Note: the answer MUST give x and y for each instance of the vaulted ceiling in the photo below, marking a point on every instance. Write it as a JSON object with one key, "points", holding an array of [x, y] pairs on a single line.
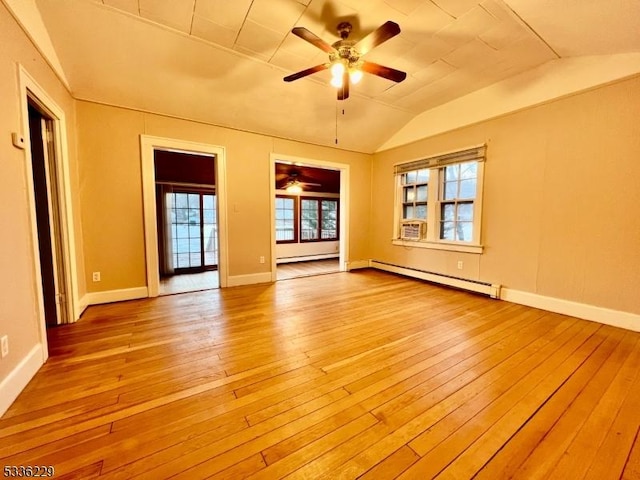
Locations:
{"points": [[222, 62]]}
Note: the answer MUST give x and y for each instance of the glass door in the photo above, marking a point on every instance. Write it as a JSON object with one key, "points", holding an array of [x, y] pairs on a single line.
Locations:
{"points": [[194, 236]]}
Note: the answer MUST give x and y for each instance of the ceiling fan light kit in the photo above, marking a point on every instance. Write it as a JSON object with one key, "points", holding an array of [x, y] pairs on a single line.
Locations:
{"points": [[345, 57]]}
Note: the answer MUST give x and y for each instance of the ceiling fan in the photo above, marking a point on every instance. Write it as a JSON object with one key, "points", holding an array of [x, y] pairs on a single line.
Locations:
{"points": [[294, 182], [345, 56]]}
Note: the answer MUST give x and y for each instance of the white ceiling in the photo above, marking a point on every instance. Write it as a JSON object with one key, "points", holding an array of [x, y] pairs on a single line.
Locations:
{"points": [[222, 61]]}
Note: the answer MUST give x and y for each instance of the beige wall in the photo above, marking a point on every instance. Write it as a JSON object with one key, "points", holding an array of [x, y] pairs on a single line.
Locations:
{"points": [[560, 200], [18, 283], [111, 191]]}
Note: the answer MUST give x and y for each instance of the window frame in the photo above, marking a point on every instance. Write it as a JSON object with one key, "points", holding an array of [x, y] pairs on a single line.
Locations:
{"points": [[435, 201], [296, 226], [319, 228]]}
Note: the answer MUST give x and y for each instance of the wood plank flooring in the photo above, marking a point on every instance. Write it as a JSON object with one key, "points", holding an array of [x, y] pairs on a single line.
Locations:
{"points": [[286, 271], [347, 375]]}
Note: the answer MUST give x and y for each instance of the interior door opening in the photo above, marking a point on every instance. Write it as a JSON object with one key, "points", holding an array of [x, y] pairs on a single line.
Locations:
{"points": [[187, 223], [307, 220], [48, 215]]}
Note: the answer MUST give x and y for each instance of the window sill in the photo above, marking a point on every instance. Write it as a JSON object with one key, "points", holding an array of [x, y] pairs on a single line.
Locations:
{"points": [[453, 247]]}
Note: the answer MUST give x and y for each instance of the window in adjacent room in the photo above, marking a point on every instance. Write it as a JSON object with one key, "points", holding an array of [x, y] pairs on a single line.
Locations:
{"points": [[318, 219], [444, 193], [286, 216]]}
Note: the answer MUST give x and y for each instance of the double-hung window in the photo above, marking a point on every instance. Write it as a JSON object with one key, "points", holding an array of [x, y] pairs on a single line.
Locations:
{"points": [[443, 192]]}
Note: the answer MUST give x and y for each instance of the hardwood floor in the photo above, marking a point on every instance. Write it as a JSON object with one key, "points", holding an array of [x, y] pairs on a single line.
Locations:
{"points": [[362, 374], [190, 282], [286, 271]]}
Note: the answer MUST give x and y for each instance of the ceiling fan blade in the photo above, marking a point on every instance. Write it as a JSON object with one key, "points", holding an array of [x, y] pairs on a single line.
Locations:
{"points": [[304, 73], [313, 39], [382, 71], [343, 91], [383, 33]]}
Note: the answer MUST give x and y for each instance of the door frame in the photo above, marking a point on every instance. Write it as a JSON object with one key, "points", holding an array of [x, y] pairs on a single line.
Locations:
{"points": [[30, 90], [148, 145], [344, 204]]}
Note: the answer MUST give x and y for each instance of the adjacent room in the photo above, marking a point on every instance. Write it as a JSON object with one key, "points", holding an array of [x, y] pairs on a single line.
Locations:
{"points": [[320, 239]]}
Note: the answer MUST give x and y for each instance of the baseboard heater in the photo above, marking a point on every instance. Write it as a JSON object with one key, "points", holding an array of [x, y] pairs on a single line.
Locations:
{"points": [[490, 289]]}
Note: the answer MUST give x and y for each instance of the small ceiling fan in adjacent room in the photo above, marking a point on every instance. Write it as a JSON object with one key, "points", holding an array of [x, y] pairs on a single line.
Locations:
{"points": [[345, 56], [293, 182]]}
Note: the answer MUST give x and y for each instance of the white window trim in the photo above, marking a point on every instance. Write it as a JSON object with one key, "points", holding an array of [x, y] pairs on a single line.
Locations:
{"points": [[432, 240]]}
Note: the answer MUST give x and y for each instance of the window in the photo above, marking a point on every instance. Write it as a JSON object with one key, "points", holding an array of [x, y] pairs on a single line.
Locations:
{"points": [[192, 232], [286, 217], [318, 219], [444, 191]]}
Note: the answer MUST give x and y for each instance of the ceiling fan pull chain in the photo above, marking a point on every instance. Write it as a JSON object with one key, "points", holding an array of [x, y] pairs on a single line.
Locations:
{"points": [[337, 121]]}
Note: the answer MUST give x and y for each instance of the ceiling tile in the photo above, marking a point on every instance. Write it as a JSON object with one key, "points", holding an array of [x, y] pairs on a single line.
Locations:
{"points": [[278, 15], [473, 55], [457, 8], [212, 32], [257, 39], [405, 6], [130, 6], [503, 34], [223, 12], [473, 23], [424, 22], [435, 71], [172, 13], [289, 61], [428, 51]]}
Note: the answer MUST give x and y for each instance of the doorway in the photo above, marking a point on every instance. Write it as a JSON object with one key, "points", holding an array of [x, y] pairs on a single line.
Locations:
{"points": [[184, 215], [187, 221], [48, 214], [310, 212]]}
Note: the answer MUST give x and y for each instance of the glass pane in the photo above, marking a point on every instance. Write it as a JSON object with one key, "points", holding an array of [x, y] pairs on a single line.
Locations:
{"points": [[409, 194], [183, 260], [469, 170], [452, 172], [194, 245], [207, 201], [181, 200], [421, 193], [407, 211], [288, 214], [410, 177], [182, 231], [194, 231], [182, 245], [208, 216], [279, 202], [421, 211], [329, 205], [448, 212], [465, 212], [450, 190], [464, 231], [194, 201], [446, 230], [182, 215], [195, 260], [422, 176], [468, 188]]}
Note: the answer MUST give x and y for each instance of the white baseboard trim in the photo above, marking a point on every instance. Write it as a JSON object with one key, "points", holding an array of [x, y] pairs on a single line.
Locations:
{"points": [[356, 264], [253, 278], [615, 318], [82, 306], [493, 290], [324, 256], [110, 296], [18, 378]]}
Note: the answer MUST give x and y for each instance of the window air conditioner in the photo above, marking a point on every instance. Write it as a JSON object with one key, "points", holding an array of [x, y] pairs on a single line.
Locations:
{"points": [[413, 230]]}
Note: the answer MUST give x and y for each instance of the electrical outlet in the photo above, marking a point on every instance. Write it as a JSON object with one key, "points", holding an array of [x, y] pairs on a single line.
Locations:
{"points": [[460, 264], [96, 276], [261, 259], [5, 346]]}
